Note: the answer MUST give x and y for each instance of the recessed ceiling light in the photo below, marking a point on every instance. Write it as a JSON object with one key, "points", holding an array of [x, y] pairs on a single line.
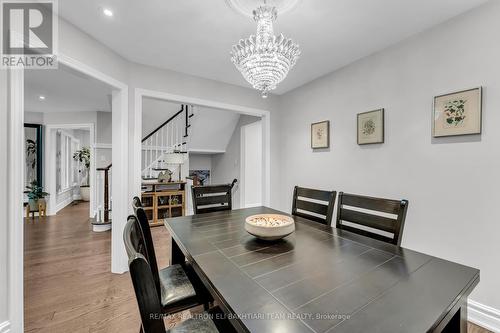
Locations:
{"points": [[107, 12], [41, 97]]}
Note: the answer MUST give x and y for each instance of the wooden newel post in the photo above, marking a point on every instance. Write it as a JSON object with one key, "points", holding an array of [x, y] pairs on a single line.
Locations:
{"points": [[106, 192], [106, 195]]}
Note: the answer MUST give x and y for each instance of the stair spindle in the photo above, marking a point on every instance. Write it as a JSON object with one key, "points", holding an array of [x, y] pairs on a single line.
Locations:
{"points": [[150, 158], [156, 151]]}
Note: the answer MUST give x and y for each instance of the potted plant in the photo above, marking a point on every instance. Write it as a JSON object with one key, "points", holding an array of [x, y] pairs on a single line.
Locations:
{"points": [[36, 196], [83, 157]]}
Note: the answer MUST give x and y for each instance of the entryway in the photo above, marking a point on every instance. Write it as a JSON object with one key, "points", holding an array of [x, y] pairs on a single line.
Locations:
{"points": [[251, 165]]}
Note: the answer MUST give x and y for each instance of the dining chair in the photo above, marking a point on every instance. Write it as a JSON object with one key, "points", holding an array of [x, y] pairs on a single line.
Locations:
{"points": [[150, 305], [317, 206], [212, 198], [378, 218], [148, 239], [174, 286]]}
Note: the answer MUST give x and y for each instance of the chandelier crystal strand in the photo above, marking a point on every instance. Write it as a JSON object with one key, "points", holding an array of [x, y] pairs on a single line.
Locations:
{"points": [[263, 59]]}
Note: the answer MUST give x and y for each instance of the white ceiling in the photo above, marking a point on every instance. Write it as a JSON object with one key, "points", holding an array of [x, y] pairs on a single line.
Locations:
{"points": [[210, 131], [65, 90], [195, 36]]}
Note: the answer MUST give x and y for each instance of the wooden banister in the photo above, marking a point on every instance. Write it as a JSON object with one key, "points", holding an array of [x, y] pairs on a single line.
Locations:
{"points": [[165, 123], [184, 108]]}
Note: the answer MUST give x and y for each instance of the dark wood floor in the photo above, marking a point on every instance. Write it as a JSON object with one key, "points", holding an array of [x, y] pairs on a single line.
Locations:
{"points": [[67, 283]]}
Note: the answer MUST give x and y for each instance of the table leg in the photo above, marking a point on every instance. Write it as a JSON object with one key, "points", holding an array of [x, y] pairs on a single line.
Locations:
{"points": [[458, 323], [176, 256], [463, 318]]}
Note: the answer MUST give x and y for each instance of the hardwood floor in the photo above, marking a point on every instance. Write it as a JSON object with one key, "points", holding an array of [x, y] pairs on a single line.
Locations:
{"points": [[67, 283]]}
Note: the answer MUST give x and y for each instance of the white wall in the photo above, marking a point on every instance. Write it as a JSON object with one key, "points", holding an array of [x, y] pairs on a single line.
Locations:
{"points": [[33, 117], [4, 195], [103, 129], [210, 129], [226, 166], [103, 152], [62, 118], [451, 183], [200, 161]]}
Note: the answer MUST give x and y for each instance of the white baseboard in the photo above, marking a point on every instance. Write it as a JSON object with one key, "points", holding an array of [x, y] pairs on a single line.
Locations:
{"points": [[5, 327], [484, 316], [253, 205], [64, 203], [101, 228]]}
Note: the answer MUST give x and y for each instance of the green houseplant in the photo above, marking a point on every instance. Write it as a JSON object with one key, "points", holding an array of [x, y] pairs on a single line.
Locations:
{"points": [[36, 195], [83, 157]]}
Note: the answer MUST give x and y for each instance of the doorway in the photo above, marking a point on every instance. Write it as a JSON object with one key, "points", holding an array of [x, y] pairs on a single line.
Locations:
{"points": [[201, 106], [251, 165]]}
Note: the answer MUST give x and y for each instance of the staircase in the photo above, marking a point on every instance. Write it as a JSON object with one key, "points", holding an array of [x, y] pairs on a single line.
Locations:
{"points": [[160, 147], [170, 139]]}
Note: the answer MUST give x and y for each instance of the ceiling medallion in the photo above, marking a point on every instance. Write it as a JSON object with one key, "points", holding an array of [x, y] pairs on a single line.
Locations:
{"points": [[263, 59]]}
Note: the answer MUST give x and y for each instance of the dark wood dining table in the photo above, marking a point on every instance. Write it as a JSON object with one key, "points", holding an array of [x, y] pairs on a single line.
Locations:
{"points": [[320, 279]]}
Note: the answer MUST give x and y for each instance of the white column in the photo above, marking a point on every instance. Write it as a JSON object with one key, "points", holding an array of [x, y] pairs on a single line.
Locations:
{"points": [[121, 197]]}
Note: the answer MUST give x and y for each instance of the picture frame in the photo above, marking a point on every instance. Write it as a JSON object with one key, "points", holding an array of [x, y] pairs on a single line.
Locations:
{"points": [[320, 135], [457, 113], [371, 127]]}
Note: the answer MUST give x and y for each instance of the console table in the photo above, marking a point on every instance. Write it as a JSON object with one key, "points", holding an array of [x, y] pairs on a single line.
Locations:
{"points": [[163, 200]]}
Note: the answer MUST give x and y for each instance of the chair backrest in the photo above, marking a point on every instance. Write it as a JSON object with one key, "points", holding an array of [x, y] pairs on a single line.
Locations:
{"points": [[211, 198], [150, 253], [319, 210], [136, 203], [387, 225], [146, 293]]}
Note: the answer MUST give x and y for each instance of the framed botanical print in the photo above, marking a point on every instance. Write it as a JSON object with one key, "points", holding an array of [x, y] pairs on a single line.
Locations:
{"points": [[320, 135], [371, 127], [458, 113]]}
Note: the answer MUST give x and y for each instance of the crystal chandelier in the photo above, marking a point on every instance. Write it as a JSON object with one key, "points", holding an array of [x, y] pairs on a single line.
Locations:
{"points": [[263, 59]]}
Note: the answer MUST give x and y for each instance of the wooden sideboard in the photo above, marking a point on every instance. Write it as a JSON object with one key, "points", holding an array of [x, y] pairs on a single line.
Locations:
{"points": [[163, 200]]}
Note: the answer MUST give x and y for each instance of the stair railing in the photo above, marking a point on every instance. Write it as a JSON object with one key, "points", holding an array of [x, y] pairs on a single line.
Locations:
{"points": [[172, 136]]}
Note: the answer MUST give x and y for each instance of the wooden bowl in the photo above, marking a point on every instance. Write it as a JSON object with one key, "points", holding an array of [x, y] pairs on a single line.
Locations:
{"points": [[269, 226]]}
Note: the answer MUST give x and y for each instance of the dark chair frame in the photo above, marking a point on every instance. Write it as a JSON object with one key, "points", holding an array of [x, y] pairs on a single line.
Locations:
{"points": [[145, 289], [382, 223], [314, 207], [217, 194], [150, 254], [202, 295]]}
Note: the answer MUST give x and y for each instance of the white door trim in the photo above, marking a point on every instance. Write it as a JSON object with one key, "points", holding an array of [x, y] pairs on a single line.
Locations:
{"points": [[266, 130], [15, 186]]}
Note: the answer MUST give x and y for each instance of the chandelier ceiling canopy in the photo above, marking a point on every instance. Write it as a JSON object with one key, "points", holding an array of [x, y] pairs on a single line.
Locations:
{"points": [[264, 59]]}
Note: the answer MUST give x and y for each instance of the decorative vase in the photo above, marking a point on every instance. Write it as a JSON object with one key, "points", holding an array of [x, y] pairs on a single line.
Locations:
{"points": [[33, 205], [85, 193]]}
